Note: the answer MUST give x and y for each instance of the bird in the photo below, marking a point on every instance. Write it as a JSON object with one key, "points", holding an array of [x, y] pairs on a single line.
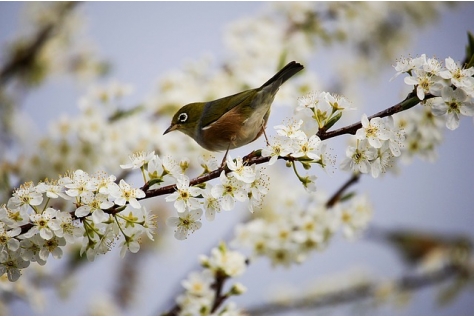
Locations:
{"points": [[232, 121]]}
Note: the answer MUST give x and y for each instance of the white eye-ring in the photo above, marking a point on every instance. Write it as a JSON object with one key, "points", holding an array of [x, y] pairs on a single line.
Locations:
{"points": [[183, 117]]}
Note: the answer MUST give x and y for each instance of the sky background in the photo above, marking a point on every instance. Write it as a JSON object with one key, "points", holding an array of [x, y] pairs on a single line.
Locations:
{"points": [[148, 39]]}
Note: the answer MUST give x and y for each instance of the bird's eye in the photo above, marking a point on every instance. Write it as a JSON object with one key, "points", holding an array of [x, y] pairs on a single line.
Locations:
{"points": [[183, 117]]}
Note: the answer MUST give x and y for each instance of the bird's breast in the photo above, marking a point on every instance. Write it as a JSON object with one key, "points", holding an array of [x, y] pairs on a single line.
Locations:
{"points": [[235, 128]]}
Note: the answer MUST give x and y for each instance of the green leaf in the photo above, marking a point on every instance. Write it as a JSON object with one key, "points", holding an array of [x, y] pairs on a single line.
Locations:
{"points": [[155, 181], [333, 120], [120, 114], [469, 60], [410, 101], [347, 197]]}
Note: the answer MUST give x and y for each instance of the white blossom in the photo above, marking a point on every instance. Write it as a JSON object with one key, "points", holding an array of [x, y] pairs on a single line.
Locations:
{"points": [[102, 183], [425, 83], [79, 184], [432, 66], [94, 204], [27, 194], [14, 217], [397, 137], [185, 222], [231, 263], [142, 219], [138, 160], [208, 165], [307, 147], [184, 196], [7, 237], [358, 158], [309, 183], [155, 167], [383, 161], [41, 224], [240, 171], [257, 190], [228, 191], [125, 193], [405, 65], [11, 263], [130, 241], [374, 131], [461, 78], [52, 246], [292, 130], [308, 102], [211, 204], [338, 102], [452, 103], [64, 226], [52, 189], [199, 283], [280, 146], [356, 216]]}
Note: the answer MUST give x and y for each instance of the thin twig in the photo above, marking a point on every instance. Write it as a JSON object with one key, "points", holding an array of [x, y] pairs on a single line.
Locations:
{"points": [[337, 196]]}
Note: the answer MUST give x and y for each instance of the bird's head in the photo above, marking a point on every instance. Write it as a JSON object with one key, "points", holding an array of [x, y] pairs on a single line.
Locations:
{"points": [[186, 119]]}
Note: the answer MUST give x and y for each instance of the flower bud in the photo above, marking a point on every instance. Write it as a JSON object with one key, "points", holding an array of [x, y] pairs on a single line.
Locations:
{"points": [[237, 289]]}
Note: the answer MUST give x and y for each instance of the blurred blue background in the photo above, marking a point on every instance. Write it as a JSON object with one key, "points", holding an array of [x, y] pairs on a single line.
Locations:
{"points": [[146, 39]]}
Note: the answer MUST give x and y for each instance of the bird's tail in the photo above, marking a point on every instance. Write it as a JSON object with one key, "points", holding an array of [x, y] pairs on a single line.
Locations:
{"points": [[284, 74]]}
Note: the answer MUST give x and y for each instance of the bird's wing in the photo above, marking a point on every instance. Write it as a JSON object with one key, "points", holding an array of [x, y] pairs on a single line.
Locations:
{"points": [[213, 110]]}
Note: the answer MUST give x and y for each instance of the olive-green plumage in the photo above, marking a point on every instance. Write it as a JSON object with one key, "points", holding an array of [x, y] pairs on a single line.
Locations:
{"points": [[231, 121]]}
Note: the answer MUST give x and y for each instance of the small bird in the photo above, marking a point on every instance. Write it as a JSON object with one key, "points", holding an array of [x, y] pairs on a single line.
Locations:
{"points": [[233, 121]]}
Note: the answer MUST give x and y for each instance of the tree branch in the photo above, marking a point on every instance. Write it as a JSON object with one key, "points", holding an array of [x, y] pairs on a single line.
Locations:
{"points": [[359, 292], [23, 59], [219, 281], [255, 158], [410, 101]]}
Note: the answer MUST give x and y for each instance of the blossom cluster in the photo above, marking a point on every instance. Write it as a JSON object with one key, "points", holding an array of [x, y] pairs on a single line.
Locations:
{"points": [[293, 140], [423, 132], [324, 108], [288, 238], [100, 137], [452, 85], [31, 229], [199, 297], [97, 138], [378, 141], [446, 92], [242, 183]]}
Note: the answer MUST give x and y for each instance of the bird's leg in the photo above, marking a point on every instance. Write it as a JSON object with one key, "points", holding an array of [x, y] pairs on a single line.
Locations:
{"points": [[226, 152], [264, 124], [265, 134], [224, 159]]}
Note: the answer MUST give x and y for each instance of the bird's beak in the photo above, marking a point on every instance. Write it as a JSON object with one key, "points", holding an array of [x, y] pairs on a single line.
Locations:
{"points": [[171, 128]]}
